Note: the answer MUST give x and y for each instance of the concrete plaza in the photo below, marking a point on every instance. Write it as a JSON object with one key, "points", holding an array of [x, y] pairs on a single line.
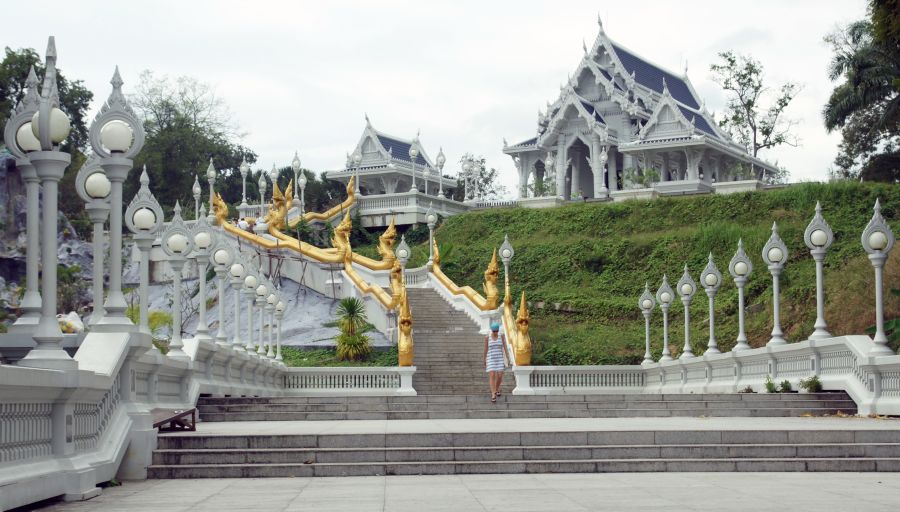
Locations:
{"points": [[538, 492]]}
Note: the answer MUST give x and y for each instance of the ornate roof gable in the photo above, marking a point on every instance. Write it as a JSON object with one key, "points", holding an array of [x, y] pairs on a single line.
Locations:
{"points": [[388, 147], [585, 111], [669, 119]]}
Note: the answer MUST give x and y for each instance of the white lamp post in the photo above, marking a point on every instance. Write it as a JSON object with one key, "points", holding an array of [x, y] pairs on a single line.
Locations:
{"points": [[204, 237], [818, 238], [211, 178], [646, 304], [466, 169], [431, 220], [237, 272], [549, 164], [413, 154], [295, 166], [279, 315], [250, 283], [775, 254], [245, 169], [440, 161], [506, 254], [20, 141], [270, 309], [261, 292], [878, 240], [357, 159], [196, 190], [50, 126], [302, 182], [665, 296], [259, 227], [177, 243], [711, 280], [273, 177], [116, 136], [686, 289], [93, 187], [221, 258], [144, 218], [740, 268]]}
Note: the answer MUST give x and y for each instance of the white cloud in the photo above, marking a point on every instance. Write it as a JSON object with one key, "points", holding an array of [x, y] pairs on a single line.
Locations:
{"points": [[299, 75]]}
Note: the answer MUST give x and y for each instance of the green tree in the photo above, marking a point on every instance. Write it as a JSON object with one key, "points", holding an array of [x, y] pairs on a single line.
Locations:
{"points": [[186, 124], [754, 115], [865, 105]]}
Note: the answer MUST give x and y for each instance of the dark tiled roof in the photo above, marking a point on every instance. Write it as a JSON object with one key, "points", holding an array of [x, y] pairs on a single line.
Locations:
{"points": [[592, 111], [651, 77], [529, 142], [399, 149], [699, 121]]}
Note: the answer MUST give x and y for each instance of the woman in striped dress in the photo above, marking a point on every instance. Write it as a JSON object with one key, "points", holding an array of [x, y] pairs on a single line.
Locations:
{"points": [[495, 359]]}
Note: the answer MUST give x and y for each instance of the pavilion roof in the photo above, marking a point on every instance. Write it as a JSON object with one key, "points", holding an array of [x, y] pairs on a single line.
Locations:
{"points": [[651, 76]]}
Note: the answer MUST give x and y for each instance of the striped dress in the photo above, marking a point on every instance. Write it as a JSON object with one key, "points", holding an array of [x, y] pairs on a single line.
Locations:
{"points": [[495, 361]]}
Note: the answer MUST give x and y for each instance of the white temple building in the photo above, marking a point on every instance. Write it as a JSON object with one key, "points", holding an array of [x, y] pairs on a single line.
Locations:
{"points": [[396, 178], [620, 115]]}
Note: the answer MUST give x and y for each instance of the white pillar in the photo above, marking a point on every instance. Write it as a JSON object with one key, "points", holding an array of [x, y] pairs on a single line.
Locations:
{"points": [[176, 346], [31, 302]]}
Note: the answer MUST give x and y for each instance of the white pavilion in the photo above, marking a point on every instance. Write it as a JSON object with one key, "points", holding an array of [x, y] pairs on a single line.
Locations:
{"points": [[396, 178], [618, 115]]}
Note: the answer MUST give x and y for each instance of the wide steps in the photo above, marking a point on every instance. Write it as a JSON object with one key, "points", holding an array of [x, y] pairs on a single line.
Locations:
{"points": [[478, 406], [244, 456]]}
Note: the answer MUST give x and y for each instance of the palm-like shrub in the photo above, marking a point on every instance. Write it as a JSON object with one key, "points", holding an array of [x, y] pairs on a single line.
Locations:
{"points": [[353, 347], [351, 315]]}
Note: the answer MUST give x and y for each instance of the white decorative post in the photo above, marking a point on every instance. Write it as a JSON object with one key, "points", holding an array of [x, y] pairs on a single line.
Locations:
{"points": [[878, 240], [21, 141], [646, 303], [413, 153], [237, 272], [50, 127], [177, 244], [302, 181], [273, 177], [93, 187], [203, 240], [211, 178], [686, 289], [665, 295], [440, 160], [775, 254], [221, 257], [279, 314], [431, 219], [819, 237], [261, 292], [295, 166], [245, 169], [740, 268], [506, 254], [711, 279], [250, 283], [403, 253], [260, 228], [144, 218], [196, 190], [270, 309], [357, 159], [116, 136]]}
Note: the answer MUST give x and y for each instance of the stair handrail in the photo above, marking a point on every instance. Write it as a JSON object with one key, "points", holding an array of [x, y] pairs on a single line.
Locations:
{"points": [[332, 212], [482, 303]]}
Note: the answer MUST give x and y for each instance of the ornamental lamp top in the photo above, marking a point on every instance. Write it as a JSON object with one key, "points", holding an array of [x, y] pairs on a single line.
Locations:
{"points": [[245, 167], [356, 157], [646, 301], [550, 160], [279, 308], [440, 160], [302, 179], [686, 286], [204, 236], [506, 250], [211, 170], [262, 290], [222, 256], [236, 271], [665, 295], [262, 180], [430, 217], [177, 240], [818, 234], [877, 238], [273, 174], [740, 266], [403, 250], [250, 282], [144, 215], [711, 278], [271, 299], [196, 188], [116, 128], [295, 163], [775, 252]]}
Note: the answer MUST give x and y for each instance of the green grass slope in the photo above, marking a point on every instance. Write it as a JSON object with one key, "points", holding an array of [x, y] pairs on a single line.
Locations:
{"points": [[583, 266]]}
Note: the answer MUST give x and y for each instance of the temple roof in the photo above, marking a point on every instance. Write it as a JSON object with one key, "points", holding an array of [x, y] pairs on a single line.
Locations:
{"points": [[651, 76], [700, 121], [399, 149]]}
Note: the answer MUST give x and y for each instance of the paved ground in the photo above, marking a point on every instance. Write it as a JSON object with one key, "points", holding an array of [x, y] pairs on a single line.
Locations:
{"points": [[534, 425], [521, 493]]}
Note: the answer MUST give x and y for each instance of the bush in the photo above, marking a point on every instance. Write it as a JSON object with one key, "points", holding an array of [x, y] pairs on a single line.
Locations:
{"points": [[770, 385], [785, 387], [353, 347], [811, 384]]}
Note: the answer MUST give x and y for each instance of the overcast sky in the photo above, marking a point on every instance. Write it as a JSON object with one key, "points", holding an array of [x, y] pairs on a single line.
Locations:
{"points": [[300, 75]]}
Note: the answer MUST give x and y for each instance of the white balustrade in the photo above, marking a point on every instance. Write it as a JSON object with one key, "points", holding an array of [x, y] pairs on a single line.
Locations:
{"points": [[342, 381]]}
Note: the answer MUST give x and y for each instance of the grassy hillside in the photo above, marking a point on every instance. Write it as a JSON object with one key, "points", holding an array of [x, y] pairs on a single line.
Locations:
{"points": [[583, 266]]}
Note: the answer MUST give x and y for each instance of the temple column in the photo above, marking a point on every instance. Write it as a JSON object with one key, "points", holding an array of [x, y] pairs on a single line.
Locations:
{"points": [[665, 175], [575, 190], [560, 170], [613, 168], [598, 167]]}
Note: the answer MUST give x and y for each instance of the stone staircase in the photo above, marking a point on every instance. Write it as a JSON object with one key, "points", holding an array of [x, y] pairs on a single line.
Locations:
{"points": [[449, 349], [509, 406], [798, 446]]}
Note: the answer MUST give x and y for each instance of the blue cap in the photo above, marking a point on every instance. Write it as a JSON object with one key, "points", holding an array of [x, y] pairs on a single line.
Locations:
{"points": [[495, 326]]}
